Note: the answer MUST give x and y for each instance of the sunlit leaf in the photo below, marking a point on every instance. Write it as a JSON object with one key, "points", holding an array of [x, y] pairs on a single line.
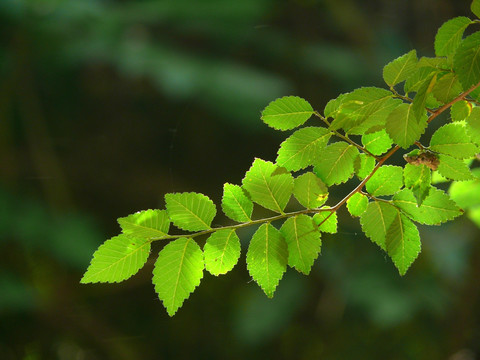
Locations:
{"points": [[403, 126], [450, 35], [376, 221], [300, 149], [303, 242], [400, 69], [357, 204], [435, 209], [452, 139], [387, 180], [310, 191], [190, 211], [287, 113], [336, 163], [222, 251], [326, 221], [117, 259], [269, 190], [146, 224], [402, 242], [235, 204], [267, 258], [177, 272]]}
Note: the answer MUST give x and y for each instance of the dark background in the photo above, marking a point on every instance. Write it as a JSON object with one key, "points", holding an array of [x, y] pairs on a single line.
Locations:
{"points": [[105, 106]]}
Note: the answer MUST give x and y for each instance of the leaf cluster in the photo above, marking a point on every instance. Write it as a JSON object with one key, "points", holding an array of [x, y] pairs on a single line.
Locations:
{"points": [[350, 141]]}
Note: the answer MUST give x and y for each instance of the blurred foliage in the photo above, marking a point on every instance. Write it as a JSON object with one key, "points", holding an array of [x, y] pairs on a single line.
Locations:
{"points": [[107, 105]]}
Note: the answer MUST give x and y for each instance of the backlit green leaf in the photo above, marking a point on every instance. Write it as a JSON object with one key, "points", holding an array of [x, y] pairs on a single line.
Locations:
{"points": [[450, 35], [190, 211], [454, 169], [402, 242], [400, 69], [146, 224], [303, 242], [267, 190], [326, 221], [378, 142], [336, 163], [386, 181], [452, 139], [466, 62], [376, 221], [435, 209], [364, 165], [418, 78], [475, 7], [287, 113], [310, 191], [420, 99], [117, 259], [403, 126], [359, 105], [466, 193], [473, 125], [418, 179], [177, 272], [222, 251], [460, 110], [267, 258], [235, 204], [357, 204], [447, 88], [300, 149]]}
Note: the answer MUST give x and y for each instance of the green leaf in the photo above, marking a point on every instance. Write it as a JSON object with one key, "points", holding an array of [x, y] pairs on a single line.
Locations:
{"points": [[447, 88], [177, 272], [466, 62], [418, 78], [465, 193], [333, 105], [473, 125], [336, 163], [310, 191], [387, 180], [417, 178], [146, 224], [287, 113], [364, 165], [400, 69], [235, 204], [357, 204], [452, 139], [403, 126], [359, 105], [475, 7], [222, 251], [420, 99], [375, 120], [300, 149], [117, 259], [454, 169], [266, 189], [190, 211], [376, 221], [402, 242], [450, 35], [378, 142], [460, 110], [326, 221], [437, 207], [267, 258], [303, 242]]}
